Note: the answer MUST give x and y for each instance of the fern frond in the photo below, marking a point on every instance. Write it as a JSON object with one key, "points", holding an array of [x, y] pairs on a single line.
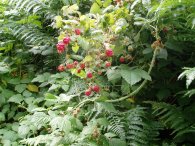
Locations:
{"points": [[172, 117], [117, 125], [190, 75], [33, 6], [39, 119], [139, 127], [31, 35], [49, 140], [61, 123], [189, 93], [39, 42]]}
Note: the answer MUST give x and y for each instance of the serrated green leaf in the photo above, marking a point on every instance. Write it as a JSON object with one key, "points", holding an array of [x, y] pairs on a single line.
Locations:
{"points": [[95, 8], [14, 81], [130, 76], [133, 76], [65, 87], [125, 87], [61, 123], [26, 93], [58, 20], [113, 74], [10, 135], [143, 74], [42, 78], [83, 43], [4, 69], [20, 88], [23, 130], [107, 106], [18, 98], [162, 54], [107, 3], [2, 117], [49, 96], [53, 87], [87, 58]]}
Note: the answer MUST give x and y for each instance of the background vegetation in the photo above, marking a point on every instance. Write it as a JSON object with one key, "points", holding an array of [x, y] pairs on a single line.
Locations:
{"points": [[139, 54]]}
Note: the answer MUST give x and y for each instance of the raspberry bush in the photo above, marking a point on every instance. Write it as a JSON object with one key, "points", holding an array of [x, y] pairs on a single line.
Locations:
{"points": [[97, 72]]}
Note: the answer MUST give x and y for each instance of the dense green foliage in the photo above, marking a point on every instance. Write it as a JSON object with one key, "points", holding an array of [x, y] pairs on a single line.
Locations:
{"points": [[143, 100]]}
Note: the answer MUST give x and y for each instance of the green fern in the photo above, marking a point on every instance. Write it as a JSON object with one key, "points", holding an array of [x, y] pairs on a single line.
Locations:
{"points": [[61, 123], [33, 6], [167, 5], [172, 117], [190, 75], [139, 127], [189, 93], [134, 126], [49, 140], [117, 125], [39, 42], [31, 35]]}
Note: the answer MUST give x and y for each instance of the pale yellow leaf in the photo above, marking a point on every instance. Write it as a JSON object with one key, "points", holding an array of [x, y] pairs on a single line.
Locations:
{"points": [[75, 48], [88, 58], [33, 88]]}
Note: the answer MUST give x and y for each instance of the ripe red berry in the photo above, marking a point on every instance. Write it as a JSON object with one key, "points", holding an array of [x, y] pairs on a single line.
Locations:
{"points": [[96, 88], [69, 66], [88, 92], [61, 68], [60, 47], [89, 75], [75, 63], [79, 71], [77, 31], [66, 40], [122, 59], [108, 64], [82, 65], [109, 52]]}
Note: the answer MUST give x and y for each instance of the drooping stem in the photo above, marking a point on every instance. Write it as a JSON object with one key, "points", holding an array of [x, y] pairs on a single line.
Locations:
{"points": [[142, 84]]}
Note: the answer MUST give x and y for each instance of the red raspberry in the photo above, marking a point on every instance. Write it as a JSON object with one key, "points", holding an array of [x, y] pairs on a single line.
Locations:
{"points": [[108, 64], [60, 47], [75, 63], [122, 59], [66, 40], [88, 92], [79, 71], [77, 31], [89, 75], [82, 65], [96, 88], [109, 52], [69, 66], [61, 68]]}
